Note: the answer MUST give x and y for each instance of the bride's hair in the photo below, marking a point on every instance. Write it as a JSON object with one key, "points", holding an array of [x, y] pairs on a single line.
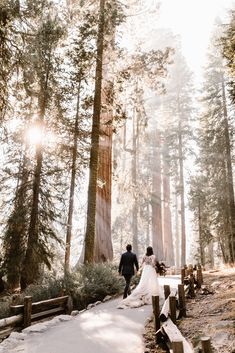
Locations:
{"points": [[149, 251]]}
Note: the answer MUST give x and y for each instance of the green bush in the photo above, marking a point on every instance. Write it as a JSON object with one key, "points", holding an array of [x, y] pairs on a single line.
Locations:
{"points": [[100, 280], [91, 283], [88, 284], [4, 309], [51, 288]]}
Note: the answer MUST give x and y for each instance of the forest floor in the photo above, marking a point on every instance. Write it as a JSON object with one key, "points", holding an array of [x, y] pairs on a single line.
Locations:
{"points": [[211, 313]]}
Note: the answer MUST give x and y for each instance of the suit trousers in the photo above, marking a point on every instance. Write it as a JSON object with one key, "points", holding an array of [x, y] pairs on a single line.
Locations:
{"points": [[127, 289]]}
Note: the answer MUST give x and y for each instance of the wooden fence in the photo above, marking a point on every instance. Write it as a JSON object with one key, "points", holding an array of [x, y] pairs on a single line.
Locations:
{"points": [[174, 308], [23, 315]]}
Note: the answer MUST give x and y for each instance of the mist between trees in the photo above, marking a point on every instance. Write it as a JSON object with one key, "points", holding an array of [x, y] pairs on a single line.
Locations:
{"points": [[105, 140]]}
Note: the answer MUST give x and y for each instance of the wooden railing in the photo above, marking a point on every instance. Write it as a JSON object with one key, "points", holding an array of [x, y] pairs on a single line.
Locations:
{"points": [[174, 307], [23, 315]]}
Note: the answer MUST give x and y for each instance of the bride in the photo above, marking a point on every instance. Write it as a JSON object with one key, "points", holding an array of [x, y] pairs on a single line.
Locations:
{"points": [[148, 285]]}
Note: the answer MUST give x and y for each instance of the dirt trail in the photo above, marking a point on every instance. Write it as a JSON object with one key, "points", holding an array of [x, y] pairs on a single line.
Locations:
{"points": [[211, 313]]}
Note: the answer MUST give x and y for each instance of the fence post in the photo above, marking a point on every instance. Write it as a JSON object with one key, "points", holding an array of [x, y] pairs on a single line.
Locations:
{"points": [[177, 347], [182, 275], [182, 301], [172, 303], [206, 345], [199, 279], [167, 290], [27, 311], [156, 312], [191, 286], [69, 305], [199, 267]]}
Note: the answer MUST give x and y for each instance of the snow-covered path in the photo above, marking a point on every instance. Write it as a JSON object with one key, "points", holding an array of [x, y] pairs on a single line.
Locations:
{"points": [[101, 329]]}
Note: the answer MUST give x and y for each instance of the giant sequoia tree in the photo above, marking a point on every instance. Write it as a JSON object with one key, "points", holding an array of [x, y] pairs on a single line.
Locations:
{"points": [[103, 238], [147, 70]]}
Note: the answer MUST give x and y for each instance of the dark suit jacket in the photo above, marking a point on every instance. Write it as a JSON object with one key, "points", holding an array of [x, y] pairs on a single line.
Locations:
{"points": [[127, 262]]}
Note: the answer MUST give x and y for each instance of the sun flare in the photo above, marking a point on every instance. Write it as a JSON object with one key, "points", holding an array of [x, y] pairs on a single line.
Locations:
{"points": [[34, 135]]}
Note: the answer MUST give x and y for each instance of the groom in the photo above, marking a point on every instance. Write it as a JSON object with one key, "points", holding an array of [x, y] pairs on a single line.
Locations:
{"points": [[126, 268]]}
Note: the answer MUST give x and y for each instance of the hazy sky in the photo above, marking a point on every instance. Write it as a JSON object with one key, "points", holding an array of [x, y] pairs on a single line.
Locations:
{"points": [[193, 20]]}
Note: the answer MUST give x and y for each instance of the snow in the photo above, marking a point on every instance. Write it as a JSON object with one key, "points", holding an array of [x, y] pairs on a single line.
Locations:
{"points": [[101, 329]]}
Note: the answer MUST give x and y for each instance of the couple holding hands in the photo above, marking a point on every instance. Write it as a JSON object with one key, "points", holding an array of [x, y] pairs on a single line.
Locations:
{"points": [[148, 285]]}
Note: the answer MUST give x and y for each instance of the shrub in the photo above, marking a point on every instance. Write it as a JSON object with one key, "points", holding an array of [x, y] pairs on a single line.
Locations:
{"points": [[51, 288], [88, 284], [4, 309], [93, 282]]}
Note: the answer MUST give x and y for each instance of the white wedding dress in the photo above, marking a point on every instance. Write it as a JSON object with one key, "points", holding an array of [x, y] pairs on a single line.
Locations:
{"points": [[148, 286]]}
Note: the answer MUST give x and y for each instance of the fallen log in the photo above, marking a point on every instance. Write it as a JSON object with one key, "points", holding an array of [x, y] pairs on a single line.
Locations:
{"points": [[6, 332], [170, 332], [12, 320], [166, 306]]}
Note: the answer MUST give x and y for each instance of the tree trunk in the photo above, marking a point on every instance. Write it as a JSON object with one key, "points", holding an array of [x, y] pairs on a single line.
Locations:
{"points": [[148, 225], [30, 271], [134, 183], [177, 237], [16, 232], [156, 201], [91, 208], [103, 236], [211, 253], [182, 203], [72, 186], [167, 225], [201, 242], [229, 177], [103, 241]]}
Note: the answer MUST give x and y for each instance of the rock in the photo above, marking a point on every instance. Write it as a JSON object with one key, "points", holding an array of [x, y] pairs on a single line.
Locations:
{"points": [[74, 313], [220, 338], [224, 324], [17, 336], [41, 327], [64, 317], [81, 311], [205, 291], [98, 302], [108, 297], [90, 306]]}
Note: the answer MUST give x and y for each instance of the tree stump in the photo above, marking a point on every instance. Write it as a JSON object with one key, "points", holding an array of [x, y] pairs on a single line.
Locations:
{"points": [[206, 344]]}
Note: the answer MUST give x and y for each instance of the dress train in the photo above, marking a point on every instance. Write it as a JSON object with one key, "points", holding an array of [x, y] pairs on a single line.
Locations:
{"points": [[148, 286]]}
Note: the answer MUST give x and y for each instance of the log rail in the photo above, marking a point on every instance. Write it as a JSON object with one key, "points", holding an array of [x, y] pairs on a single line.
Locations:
{"points": [[23, 315], [174, 308]]}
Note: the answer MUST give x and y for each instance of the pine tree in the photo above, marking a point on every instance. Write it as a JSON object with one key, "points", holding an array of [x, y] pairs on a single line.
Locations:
{"points": [[81, 57], [93, 166], [215, 155], [40, 50], [178, 106], [9, 49]]}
